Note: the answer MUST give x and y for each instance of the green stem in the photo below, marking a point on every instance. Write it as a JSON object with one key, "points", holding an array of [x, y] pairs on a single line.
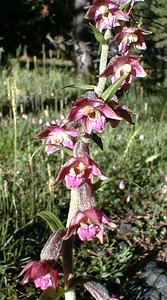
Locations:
{"points": [[103, 63], [68, 270], [81, 147], [67, 251]]}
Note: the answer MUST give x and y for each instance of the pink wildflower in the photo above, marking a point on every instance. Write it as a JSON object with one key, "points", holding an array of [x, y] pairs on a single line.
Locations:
{"points": [[122, 185], [142, 137], [106, 14], [124, 65], [24, 116], [41, 274], [128, 199], [128, 36], [88, 224], [92, 113], [56, 137], [78, 170]]}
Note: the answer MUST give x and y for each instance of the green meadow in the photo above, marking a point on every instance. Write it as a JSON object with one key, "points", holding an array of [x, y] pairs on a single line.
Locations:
{"points": [[133, 154]]}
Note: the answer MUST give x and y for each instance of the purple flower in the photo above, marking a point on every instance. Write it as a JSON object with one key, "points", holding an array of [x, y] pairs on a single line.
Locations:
{"points": [[77, 171], [124, 65], [128, 36], [106, 14], [57, 136], [88, 224], [92, 113], [41, 274]]}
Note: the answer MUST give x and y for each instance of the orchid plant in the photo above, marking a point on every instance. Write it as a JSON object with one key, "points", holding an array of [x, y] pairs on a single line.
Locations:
{"points": [[111, 22]]}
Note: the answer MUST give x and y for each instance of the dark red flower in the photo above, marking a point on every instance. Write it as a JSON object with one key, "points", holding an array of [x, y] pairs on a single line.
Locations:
{"points": [[124, 65], [78, 170], [57, 136], [106, 14], [88, 224], [41, 274], [92, 113], [128, 36]]}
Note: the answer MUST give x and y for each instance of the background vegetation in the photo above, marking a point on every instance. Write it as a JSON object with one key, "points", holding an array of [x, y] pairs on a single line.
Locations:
{"points": [[31, 93]]}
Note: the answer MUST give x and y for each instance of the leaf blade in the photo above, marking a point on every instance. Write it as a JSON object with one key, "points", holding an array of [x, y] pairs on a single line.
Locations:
{"points": [[112, 89], [53, 221]]}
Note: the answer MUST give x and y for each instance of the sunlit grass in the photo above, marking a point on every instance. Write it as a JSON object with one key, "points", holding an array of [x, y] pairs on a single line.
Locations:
{"points": [[135, 154]]}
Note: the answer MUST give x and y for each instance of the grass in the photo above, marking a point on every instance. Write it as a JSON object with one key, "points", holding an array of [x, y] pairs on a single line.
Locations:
{"points": [[26, 174]]}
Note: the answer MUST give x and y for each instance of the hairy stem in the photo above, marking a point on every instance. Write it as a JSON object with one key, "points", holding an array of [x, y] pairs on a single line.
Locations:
{"points": [[79, 149], [68, 251], [68, 269], [103, 63]]}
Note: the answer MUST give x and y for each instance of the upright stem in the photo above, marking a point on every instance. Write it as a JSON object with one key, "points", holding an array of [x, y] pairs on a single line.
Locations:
{"points": [[77, 195], [68, 269], [79, 149], [103, 63], [67, 251]]}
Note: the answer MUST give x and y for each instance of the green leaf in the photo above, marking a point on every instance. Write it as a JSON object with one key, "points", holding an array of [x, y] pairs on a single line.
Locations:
{"points": [[98, 35], [85, 87], [82, 86], [113, 88], [97, 140], [53, 221], [125, 5], [99, 185], [52, 294]]}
